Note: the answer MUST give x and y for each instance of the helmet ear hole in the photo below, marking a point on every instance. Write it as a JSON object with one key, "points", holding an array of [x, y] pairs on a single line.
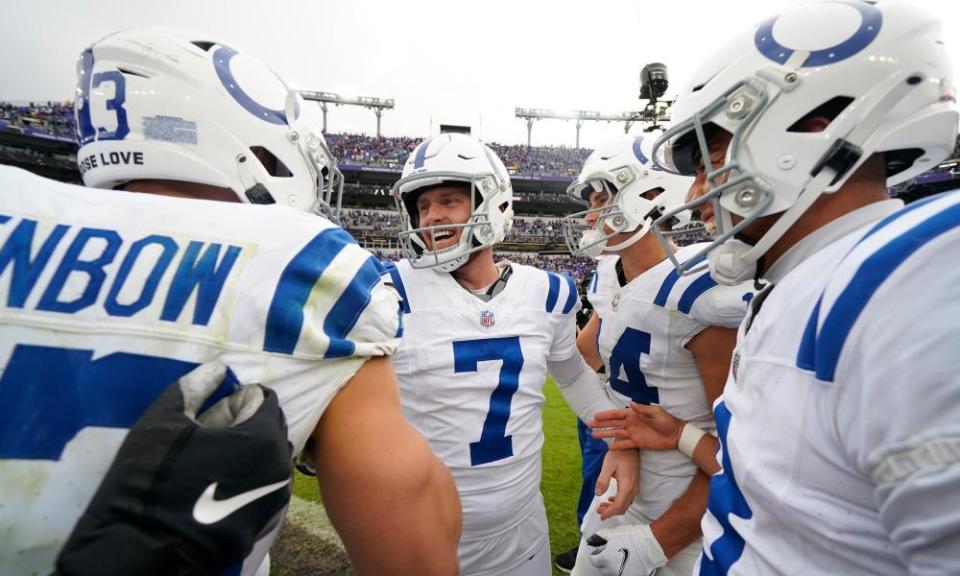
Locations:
{"points": [[829, 110], [899, 160], [204, 45], [273, 165], [131, 72], [503, 207], [652, 193]]}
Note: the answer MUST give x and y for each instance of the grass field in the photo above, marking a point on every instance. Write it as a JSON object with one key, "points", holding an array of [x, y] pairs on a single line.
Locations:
{"points": [[307, 546]]}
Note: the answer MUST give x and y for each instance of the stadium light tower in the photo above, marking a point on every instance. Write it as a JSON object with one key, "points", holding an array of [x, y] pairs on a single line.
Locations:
{"points": [[378, 105], [580, 116], [653, 85], [652, 113]]}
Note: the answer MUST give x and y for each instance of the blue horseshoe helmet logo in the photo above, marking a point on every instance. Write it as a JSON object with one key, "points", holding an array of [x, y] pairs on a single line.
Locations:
{"points": [[221, 62], [871, 19]]}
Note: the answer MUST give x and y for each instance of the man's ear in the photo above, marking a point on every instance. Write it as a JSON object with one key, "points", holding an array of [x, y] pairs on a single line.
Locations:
{"points": [[811, 124]]}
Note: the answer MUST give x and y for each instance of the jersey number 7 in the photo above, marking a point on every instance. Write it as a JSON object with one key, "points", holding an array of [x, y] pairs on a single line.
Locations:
{"points": [[494, 444]]}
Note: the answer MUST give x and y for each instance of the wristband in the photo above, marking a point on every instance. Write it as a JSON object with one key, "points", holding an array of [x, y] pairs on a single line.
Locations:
{"points": [[689, 438]]}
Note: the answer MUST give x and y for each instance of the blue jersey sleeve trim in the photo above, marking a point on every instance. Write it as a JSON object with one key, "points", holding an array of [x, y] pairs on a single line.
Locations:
{"points": [[571, 295], [668, 283], [869, 277], [398, 284], [349, 306], [806, 357], [599, 328], [285, 317], [666, 287], [553, 292], [899, 214], [694, 291]]}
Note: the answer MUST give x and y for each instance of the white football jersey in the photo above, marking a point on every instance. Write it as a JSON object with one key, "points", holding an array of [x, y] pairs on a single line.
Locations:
{"points": [[603, 284], [642, 339], [471, 378], [107, 297], [840, 422]]}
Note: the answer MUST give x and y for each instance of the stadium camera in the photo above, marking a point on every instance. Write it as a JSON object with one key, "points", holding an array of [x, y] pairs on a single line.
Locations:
{"points": [[653, 81]]}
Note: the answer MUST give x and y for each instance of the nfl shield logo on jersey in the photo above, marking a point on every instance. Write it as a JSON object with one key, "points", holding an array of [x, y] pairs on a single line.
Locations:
{"points": [[486, 319]]}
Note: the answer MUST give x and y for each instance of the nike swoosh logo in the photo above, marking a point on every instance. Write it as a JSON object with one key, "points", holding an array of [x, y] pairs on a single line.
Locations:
{"points": [[623, 563], [209, 510]]}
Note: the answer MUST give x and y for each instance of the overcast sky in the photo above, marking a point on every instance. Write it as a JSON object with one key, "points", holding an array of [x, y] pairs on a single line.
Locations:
{"points": [[441, 60]]}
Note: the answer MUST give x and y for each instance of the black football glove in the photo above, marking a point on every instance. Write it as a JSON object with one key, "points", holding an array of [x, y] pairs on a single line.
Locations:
{"points": [[187, 495]]}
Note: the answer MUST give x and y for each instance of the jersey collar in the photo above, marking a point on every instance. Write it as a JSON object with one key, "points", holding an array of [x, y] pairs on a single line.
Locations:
{"points": [[828, 234]]}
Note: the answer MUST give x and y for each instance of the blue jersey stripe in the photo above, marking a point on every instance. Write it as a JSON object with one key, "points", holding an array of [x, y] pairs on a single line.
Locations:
{"points": [[553, 292], [398, 284], [571, 295], [901, 212], [599, 328], [593, 282], [869, 277], [349, 306], [285, 317], [694, 291], [666, 287], [669, 282], [806, 357]]}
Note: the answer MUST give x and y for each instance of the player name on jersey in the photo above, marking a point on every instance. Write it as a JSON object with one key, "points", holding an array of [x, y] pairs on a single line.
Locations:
{"points": [[83, 271], [121, 158]]}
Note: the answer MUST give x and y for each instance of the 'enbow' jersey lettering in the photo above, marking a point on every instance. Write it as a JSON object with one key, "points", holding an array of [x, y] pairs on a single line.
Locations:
{"points": [[107, 297]]}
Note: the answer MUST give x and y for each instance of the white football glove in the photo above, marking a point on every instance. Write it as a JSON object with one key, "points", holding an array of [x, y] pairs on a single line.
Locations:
{"points": [[626, 550]]}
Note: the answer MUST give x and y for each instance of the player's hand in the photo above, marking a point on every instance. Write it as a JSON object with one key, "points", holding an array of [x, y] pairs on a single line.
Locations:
{"points": [[639, 426], [187, 494], [624, 467], [630, 549]]}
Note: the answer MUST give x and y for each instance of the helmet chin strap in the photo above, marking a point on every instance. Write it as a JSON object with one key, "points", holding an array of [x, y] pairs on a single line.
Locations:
{"points": [[640, 233], [735, 261], [452, 265], [728, 264], [592, 243]]}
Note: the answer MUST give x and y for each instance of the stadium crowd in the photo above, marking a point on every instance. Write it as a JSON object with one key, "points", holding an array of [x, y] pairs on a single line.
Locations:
{"points": [[56, 119], [524, 229], [48, 118], [575, 267], [371, 227], [392, 152]]}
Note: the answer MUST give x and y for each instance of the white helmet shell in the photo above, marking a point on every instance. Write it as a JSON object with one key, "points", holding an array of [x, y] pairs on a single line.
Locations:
{"points": [[454, 158], [623, 169], [170, 104], [877, 70]]}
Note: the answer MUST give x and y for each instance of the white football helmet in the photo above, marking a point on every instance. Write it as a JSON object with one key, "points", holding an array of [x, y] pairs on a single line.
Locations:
{"points": [[171, 104], [878, 70], [454, 158], [622, 167]]}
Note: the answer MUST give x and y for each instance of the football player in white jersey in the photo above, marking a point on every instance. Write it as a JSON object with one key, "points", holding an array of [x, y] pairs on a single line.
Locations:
{"points": [[663, 340], [479, 340], [108, 296], [840, 421]]}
